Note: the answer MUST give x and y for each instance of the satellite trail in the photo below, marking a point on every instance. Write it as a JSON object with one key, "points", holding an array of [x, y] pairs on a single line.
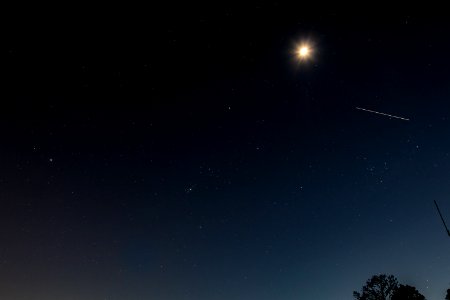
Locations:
{"points": [[383, 114]]}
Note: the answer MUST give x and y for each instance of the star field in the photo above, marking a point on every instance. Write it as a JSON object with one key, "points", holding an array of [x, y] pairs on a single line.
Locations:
{"points": [[188, 155]]}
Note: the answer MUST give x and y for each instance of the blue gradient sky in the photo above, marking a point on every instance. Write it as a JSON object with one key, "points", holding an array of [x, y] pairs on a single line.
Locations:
{"points": [[186, 155]]}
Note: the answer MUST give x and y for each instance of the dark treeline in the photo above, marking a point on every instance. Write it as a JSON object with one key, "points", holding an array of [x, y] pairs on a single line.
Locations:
{"points": [[384, 287]]}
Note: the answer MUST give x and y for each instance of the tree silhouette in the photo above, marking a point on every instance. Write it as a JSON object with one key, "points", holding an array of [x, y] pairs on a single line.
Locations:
{"points": [[406, 292], [379, 287], [448, 295]]}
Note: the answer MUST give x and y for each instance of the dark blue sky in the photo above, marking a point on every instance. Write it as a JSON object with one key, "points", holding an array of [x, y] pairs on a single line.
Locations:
{"points": [[186, 155]]}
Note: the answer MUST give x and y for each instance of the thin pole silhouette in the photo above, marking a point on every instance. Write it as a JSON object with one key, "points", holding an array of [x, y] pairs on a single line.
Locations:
{"points": [[439, 211]]}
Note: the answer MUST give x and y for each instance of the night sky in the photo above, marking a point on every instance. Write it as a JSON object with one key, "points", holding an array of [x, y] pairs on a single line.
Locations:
{"points": [[187, 154]]}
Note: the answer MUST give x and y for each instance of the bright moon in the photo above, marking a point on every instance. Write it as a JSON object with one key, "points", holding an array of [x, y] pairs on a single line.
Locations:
{"points": [[303, 52]]}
